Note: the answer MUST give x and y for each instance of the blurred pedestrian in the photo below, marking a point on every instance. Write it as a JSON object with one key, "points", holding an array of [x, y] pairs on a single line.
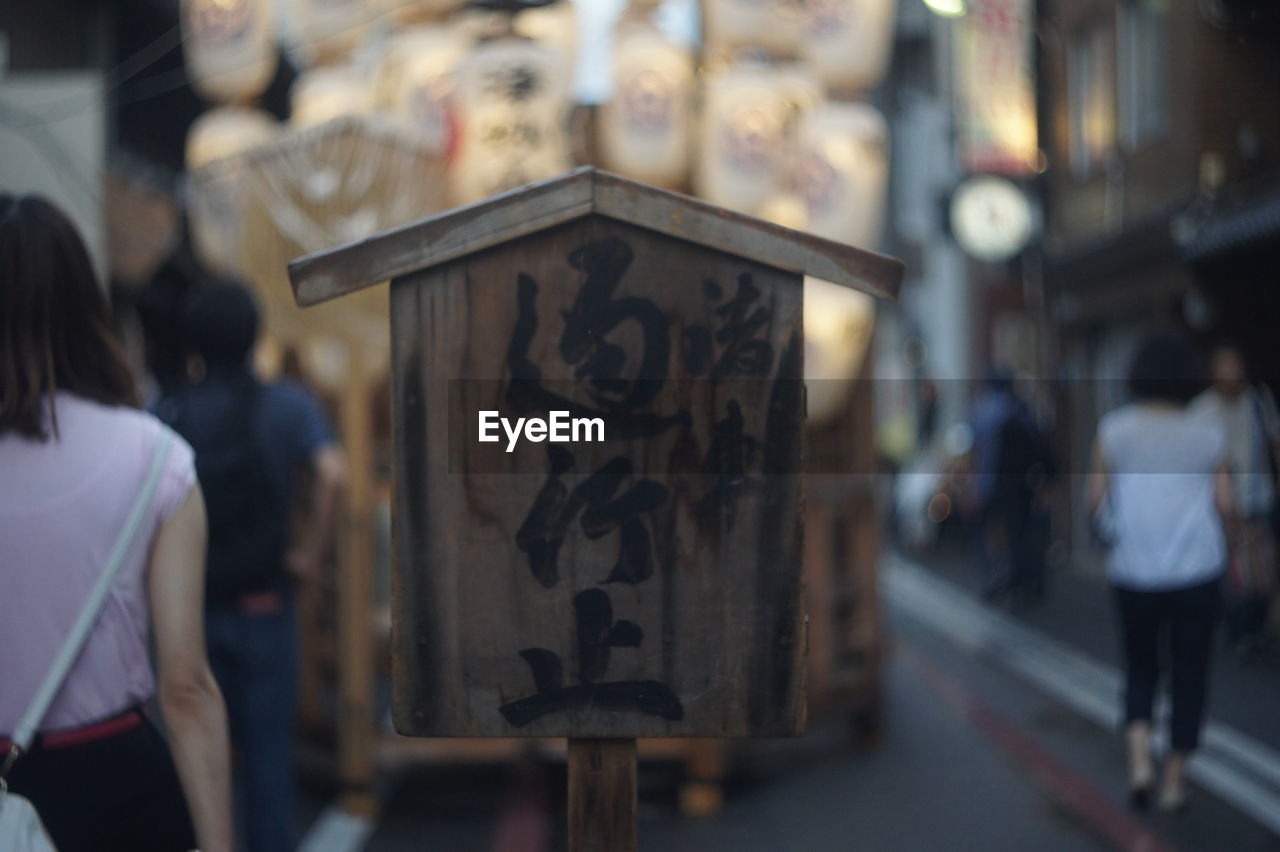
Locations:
{"points": [[927, 412], [252, 440], [159, 306], [1159, 479], [1248, 414], [1009, 467], [80, 462]]}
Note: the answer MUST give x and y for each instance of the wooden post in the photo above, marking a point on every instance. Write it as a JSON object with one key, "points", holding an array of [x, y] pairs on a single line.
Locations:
{"points": [[355, 601], [602, 794]]}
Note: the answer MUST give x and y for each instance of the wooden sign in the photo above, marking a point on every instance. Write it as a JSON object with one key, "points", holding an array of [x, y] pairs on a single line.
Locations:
{"points": [[646, 584]]}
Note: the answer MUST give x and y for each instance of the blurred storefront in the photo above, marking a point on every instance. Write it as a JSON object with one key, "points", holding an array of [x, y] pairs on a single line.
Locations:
{"points": [[1163, 144]]}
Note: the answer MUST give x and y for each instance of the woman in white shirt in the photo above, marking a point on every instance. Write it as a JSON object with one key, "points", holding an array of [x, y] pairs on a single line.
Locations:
{"points": [[1159, 477]]}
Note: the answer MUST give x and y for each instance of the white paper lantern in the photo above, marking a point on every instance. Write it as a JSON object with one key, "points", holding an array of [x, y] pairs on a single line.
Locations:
{"points": [[410, 12], [422, 96], [555, 25], [774, 26], [847, 42], [747, 121], [645, 129], [842, 168], [838, 323], [402, 46], [329, 30], [229, 49], [787, 210], [215, 208], [326, 93], [226, 131], [512, 106]]}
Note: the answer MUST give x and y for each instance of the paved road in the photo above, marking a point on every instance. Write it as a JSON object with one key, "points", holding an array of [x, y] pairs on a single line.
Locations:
{"points": [[1078, 612], [999, 736]]}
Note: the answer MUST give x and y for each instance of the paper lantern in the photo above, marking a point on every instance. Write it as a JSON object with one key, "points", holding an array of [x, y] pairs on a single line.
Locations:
{"points": [[229, 49], [837, 333], [774, 26], [847, 42], [512, 106], [645, 128], [325, 93], [842, 167], [747, 121], [555, 25], [215, 209], [226, 131], [787, 210], [405, 45], [425, 85], [215, 201], [328, 30], [410, 12], [837, 323]]}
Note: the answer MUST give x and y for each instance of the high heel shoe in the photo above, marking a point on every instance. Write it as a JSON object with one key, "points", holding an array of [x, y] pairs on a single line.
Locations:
{"points": [[1173, 801], [1140, 783]]}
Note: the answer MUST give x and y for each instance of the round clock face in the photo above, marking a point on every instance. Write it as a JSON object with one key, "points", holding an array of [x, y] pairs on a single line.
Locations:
{"points": [[990, 218]]}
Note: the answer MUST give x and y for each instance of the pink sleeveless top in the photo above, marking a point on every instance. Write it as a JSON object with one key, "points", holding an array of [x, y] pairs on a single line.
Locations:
{"points": [[62, 504]]}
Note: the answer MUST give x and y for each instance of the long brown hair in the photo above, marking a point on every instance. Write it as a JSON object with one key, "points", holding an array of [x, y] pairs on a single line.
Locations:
{"points": [[55, 332]]}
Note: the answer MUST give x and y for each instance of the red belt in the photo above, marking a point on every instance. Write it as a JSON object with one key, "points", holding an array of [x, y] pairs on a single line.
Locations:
{"points": [[126, 721]]}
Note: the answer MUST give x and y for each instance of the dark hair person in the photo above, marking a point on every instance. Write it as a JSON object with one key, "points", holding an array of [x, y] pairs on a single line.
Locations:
{"points": [[252, 440], [1251, 420], [75, 454], [1159, 479]]}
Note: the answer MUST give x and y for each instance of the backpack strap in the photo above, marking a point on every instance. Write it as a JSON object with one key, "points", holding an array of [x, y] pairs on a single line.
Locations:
{"points": [[25, 732]]}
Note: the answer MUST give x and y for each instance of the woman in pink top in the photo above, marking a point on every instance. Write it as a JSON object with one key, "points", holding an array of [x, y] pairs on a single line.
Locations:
{"points": [[74, 451]]}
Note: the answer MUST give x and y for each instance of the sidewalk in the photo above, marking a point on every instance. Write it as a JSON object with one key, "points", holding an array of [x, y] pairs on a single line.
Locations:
{"points": [[1078, 610], [1063, 703]]}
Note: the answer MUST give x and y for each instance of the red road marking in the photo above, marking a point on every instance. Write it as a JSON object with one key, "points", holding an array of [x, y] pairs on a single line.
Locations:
{"points": [[1093, 808]]}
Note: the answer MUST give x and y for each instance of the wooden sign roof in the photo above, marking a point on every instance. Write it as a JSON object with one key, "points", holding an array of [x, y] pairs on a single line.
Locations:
{"points": [[586, 191]]}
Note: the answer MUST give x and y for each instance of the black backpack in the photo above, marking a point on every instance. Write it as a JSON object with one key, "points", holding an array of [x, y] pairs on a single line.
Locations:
{"points": [[248, 520], [1026, 457]]}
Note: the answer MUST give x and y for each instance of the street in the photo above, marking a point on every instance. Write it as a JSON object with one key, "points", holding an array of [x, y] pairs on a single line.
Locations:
{"points": [[999, 735], [616, 425]]}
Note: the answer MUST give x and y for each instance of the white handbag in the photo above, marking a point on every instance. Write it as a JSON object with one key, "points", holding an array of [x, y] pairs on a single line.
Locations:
{"points": [[20, 827]]}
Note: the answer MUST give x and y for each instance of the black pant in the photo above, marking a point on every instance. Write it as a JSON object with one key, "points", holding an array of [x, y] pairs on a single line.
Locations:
{"points": [[1020, 569], [118, 793], [1187, 617]]}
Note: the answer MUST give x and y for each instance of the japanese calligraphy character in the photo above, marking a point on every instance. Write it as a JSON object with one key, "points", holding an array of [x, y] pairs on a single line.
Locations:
{"points": [[731, 454], [597, 634], [613, 390], [741, 321], [515, 83], [600, 509]]}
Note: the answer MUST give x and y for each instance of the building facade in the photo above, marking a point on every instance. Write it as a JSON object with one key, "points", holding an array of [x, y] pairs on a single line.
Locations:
{"points": [[1161, 130]]}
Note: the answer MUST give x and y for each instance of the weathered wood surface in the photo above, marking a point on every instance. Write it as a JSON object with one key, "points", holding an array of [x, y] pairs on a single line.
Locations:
{"points": [[356, 693], [453, 234], [746, 236], [602, 795], [664, 601], [440, 238]]}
